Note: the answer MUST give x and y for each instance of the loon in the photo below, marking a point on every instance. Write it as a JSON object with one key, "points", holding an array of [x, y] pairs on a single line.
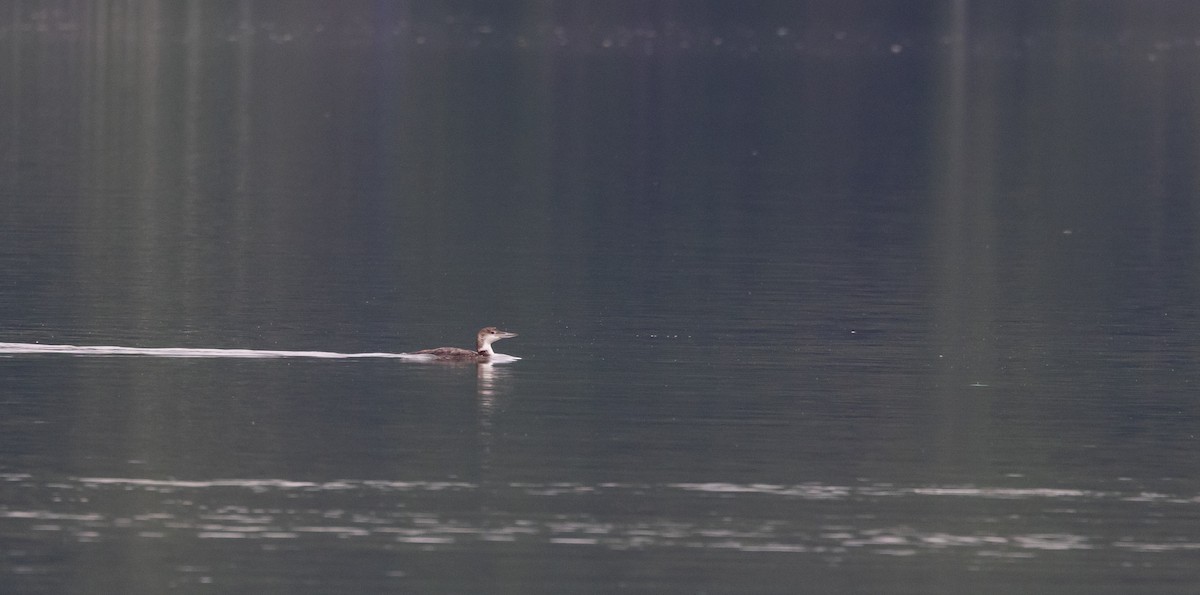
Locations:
{"points": [[483, 347]]}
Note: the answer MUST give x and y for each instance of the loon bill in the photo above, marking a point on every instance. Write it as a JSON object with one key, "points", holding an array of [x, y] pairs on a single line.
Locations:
{"points": [[483, 347]]}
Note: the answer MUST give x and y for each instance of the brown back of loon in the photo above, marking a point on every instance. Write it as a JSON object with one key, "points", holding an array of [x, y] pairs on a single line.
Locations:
{"points": [[483, 347]]}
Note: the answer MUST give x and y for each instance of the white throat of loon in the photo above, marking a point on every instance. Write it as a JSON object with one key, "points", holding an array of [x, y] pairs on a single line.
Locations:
{"points": [[487, 336]]}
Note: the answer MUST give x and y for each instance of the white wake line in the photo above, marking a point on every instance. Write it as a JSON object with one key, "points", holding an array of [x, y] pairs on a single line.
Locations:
{"points": [[103, 350]]}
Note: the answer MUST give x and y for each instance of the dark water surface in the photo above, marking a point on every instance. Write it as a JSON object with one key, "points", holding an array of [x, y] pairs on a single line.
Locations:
{"points": [[869, 299]]}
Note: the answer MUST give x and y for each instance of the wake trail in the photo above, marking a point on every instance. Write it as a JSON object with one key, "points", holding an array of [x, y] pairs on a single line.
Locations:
{"points": [[185, 352]]}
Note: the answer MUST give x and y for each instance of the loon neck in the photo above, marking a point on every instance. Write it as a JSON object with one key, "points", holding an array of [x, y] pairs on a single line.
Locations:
{"points": [[485, 350]]}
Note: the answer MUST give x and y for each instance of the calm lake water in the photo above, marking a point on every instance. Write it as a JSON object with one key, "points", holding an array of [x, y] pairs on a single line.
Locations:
{"points": [[812, 297]]}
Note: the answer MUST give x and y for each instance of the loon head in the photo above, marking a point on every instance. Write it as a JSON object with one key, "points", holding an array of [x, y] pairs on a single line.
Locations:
{"points": [[487, 336]]}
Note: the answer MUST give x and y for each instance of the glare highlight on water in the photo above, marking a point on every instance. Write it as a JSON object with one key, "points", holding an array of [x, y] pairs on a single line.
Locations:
{"points": [[270, 509]]}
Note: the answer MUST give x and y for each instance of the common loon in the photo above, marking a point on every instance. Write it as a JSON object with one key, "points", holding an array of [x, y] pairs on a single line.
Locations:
{"points": [[483, 347]]}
